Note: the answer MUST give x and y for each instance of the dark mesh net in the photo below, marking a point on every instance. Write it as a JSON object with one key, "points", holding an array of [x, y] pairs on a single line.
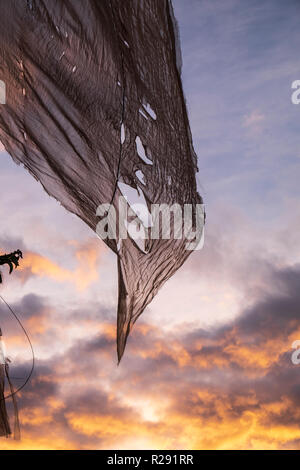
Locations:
{"points": [[78, 75], [4, 374], [4, 424]]}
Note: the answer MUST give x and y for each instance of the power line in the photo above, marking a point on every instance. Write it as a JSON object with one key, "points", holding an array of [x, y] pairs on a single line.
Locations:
{"points": [[31, 347]]}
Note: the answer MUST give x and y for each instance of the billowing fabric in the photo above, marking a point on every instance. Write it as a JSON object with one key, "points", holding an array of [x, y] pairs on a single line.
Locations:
{"points": [[85, 81], [4, 421], [4, 373], [4, 424], [12, 395]]}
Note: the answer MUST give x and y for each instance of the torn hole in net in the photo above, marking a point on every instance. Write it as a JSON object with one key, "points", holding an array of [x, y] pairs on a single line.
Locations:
{"points": [[143, 114], [125, 42], [140, 176], [119, 244], [122, 133], [140, 148], [136, 200], [147, 107], [139, 219]]}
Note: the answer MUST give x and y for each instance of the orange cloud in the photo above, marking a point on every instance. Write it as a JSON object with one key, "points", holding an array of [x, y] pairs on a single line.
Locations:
{"points": [[232, 388], [86, 272], [175, 429]]}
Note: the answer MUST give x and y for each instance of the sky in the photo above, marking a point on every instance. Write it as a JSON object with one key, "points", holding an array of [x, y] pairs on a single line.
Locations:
{"points": [[208, 364]]}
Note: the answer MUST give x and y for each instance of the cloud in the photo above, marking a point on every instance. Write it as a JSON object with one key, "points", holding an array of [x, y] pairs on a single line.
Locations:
{"points": [[254, 120], [230, 387], [87, 255]]}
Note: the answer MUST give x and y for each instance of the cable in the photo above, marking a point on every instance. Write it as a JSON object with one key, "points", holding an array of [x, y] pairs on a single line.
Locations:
{"points": [[32, 351]]}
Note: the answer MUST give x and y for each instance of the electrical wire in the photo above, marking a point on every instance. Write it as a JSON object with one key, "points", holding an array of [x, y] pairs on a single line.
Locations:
{"points": [[31, 347]]}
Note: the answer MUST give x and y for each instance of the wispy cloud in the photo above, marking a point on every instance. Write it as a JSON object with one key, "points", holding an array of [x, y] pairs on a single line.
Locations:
{"points": [[87, 255], [254, 121]]}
